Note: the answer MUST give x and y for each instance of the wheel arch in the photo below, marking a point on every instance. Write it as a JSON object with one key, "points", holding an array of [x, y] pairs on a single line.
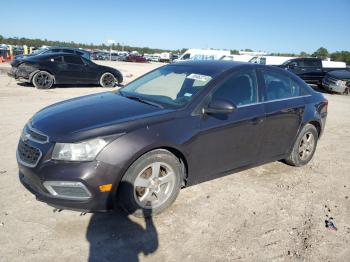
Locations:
{"points": [[38, 70], [173, 150], [316, 124], [116, 74]]}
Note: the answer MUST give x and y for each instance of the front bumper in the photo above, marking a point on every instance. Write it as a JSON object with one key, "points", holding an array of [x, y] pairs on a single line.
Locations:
{"points": [[90, 174], [333, 87], [18, 74]]}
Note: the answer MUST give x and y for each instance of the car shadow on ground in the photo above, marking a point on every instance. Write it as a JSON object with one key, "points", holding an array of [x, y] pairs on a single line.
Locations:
{"points": [[115, 237]]}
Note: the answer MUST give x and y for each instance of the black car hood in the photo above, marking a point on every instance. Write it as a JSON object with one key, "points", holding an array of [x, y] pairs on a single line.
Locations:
{"points": [[340, 74], [93, 115]]}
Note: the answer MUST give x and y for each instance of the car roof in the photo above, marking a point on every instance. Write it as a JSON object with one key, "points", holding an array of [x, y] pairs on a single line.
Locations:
{"points": [[69, 48], [216, 65]]}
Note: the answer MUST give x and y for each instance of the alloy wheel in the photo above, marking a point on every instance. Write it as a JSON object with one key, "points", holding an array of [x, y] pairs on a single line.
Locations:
{"points": [[43, 80], [154, 184], [109, 80], [306, 146]]}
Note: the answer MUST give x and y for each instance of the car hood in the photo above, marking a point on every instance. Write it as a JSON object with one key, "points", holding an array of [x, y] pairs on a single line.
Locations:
{"points": [[94, 115], [340, 74]]}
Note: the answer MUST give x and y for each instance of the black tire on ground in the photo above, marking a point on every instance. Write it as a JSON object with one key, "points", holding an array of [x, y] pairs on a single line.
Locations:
{"points": [[108, 80], [304, 146], [43, 80], [130, 195]]}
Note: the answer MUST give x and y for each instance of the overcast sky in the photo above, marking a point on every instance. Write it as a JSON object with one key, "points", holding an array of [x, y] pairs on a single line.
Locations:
{"points": [[268, 25]]}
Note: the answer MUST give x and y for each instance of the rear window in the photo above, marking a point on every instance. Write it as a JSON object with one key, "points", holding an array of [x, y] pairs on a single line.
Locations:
{"points": [[73, 60], [69, 51], [280, 86], [310, 63], [58, 59]]}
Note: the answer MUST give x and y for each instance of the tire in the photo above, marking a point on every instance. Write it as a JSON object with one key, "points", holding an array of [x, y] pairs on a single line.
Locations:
{"points": [[347, 91], [108, 80], [43, 80], [304, 146], [151, 184]]}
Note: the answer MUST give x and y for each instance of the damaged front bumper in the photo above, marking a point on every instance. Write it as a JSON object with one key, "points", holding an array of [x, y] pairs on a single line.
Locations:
{"points": [[22, 72], [19, 74]]}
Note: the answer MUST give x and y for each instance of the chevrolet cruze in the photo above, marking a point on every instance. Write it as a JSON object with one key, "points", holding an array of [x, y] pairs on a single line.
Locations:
{"points": [[174, 127]]}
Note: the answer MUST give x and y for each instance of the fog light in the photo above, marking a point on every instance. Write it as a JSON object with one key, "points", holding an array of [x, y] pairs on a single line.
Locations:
{"points": [[67, 190]]}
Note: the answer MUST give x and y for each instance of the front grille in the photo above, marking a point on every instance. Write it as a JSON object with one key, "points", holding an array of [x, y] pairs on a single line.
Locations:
{"points": [[27, 154]]}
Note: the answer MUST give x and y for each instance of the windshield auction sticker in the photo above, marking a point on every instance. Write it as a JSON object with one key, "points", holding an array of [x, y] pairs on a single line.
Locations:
{"points": [[198, 77]]}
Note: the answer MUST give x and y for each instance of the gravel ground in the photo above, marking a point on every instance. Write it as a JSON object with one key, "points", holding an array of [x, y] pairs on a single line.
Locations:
{"points": [[270, 213]]}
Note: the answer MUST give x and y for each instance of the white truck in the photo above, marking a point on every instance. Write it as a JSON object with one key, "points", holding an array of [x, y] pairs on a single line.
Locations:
{"points": [[270, 60], [202, 54]]}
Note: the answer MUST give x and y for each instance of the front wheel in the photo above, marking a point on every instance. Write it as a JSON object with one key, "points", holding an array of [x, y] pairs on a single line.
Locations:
{"points": [[151, 184], [304, 146], [43, 80], [108, 80]]}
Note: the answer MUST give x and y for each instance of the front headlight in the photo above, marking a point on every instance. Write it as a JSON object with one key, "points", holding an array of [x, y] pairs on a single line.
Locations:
{"points": [[83, 151], [341, 83]]}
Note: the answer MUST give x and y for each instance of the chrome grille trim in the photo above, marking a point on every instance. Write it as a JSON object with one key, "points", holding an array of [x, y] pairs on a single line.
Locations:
{"points": [[34, 135]]}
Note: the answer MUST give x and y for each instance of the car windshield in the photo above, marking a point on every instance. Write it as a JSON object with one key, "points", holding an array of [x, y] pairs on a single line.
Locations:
{"points": [[170, 86], [287, 62]]}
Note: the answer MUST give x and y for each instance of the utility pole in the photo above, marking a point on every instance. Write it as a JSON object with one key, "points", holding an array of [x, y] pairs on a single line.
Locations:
{"points": [[110, 42]]}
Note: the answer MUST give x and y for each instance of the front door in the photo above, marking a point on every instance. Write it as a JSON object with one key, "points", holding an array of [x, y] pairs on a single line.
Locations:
{"points": [[228, 141]]}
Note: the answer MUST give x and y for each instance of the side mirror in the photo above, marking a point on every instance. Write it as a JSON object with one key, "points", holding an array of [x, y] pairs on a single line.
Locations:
{"points": [[219, 106]]}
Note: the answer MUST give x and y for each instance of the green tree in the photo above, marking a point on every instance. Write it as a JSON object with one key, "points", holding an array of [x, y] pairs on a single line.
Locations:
{"points": [[321, 53], [303, 54], [234, 52], [343, 56]]}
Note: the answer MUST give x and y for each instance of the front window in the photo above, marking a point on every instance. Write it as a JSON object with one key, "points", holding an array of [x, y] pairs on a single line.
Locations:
{"points": [[170, 86], [240, 88]]}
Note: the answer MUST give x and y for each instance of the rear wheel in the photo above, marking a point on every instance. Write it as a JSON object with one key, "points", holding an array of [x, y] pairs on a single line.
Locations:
{"points": [[108, 80], [151, 184], [43, 80], [304, 146], [347, 91]]}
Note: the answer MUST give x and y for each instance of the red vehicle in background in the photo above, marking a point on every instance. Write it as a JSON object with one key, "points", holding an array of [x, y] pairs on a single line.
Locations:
{"points": [[136, 58]]}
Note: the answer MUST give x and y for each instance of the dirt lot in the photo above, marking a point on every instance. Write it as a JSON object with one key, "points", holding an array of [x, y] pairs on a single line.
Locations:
{"points": [[270, 213]]}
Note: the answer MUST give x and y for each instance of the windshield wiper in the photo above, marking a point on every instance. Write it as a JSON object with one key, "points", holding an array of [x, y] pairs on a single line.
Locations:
{"points": [[140, 99]]}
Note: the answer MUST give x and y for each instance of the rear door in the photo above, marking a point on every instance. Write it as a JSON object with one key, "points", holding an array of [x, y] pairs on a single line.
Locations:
{"points": [[284, 107], [312, 69]]}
